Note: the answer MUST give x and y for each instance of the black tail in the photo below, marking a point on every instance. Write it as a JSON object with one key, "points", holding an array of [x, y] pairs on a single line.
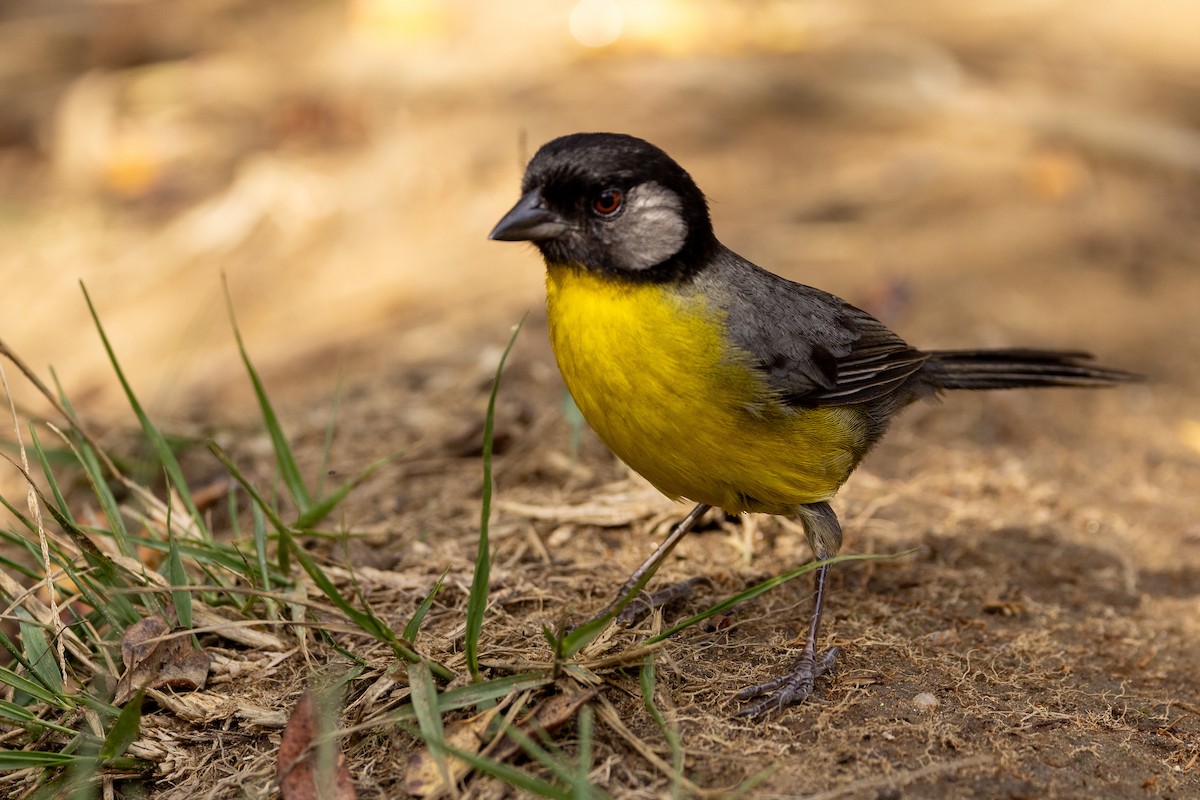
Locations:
{"points": [[1015, 368]]}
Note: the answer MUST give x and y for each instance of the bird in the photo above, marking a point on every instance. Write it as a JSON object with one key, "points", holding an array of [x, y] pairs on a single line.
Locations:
{"points": [[716, 380]]}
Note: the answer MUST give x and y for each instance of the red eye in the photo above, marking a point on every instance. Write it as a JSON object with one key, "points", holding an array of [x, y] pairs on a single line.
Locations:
{"points": [[608, 202]]}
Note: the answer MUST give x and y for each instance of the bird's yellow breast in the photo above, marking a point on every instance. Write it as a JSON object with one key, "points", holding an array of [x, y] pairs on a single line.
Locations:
{"points": [[655, 376]]}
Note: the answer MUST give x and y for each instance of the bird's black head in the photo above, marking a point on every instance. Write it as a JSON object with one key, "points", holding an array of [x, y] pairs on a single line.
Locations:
{"points": [[612, 203]]}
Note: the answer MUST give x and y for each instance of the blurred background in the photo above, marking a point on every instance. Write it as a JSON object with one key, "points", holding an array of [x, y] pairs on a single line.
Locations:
{"points": [[985, 173]]}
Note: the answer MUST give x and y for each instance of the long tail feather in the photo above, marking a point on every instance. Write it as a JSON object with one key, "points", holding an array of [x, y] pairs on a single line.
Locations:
{"points": [[1018, 368]]}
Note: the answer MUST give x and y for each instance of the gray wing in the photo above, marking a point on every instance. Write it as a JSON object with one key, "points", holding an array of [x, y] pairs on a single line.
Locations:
{"points": [[816, 349]]}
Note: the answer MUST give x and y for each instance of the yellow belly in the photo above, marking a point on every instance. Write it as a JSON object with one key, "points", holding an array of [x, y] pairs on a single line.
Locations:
{"points": [[655, 378]]}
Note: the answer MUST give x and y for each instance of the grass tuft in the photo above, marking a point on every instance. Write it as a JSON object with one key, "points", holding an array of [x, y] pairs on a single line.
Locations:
{"points": [[100, 572], [289, 470], [478, 598]]}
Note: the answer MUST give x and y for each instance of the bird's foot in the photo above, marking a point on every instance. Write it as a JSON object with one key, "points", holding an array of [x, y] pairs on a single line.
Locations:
{"points": [[790, 689], [674, 593]]}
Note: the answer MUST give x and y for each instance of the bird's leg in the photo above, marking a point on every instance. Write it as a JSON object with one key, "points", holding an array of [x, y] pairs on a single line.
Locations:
{"points": [[643, 573], [797, 684], [825, 537]]}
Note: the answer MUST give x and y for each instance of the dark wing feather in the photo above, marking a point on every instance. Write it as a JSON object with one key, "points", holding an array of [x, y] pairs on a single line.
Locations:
{"points": [[816, 349]]}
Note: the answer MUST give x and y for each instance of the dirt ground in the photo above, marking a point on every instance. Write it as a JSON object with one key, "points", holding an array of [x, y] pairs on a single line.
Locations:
{"points": [[1016, 175]]}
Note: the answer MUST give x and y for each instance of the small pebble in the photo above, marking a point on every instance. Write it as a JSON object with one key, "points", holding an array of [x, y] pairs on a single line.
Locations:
{"points": [[943, 638], [925, 702]]}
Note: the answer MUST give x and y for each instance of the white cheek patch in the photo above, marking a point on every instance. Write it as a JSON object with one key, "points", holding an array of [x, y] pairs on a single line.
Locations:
{"points": [[651, 229]]}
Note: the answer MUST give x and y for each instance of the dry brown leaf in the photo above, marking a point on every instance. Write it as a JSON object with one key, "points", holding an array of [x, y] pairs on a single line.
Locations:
{"points": [[298, 772], [424, 778], [550, 715], [152, 662], [224, 625]]}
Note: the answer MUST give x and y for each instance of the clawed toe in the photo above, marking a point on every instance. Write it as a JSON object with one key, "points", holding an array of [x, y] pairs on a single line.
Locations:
{"points": [[789, 689]]}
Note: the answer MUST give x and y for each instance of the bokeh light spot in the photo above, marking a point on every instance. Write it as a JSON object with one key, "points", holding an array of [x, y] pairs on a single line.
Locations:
{"points": [[596, 23]]}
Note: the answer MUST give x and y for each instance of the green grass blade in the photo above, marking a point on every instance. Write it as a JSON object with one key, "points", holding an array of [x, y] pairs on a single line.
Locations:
{"points": [[326, 711], [779, 580], [330, 431], [103, 494], [472, 695], [367, 621], [429, 719], [431, 734], [581, 784], [178, 576], [669, 732], [161, 448], [231, 504], [34, 759], [17, 654], [100, 564], [18, 713], [82, 778], [202, 554], [284, 457], [567, 645], [35, 690], [555, 642], [47, 470], [260, 541], [575, 425], [14, 537], [20, 517], [255, 497], [579, 638], [508, 774], [322, 508], [124, 731], [113, 607], [478, 598], [56, 785], [554, 761], [414, 625], [38, 652], [24, 717], [17, 568]]}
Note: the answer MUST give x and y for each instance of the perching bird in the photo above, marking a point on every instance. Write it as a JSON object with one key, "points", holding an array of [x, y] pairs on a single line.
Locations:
{"points": [[718, 381]]}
